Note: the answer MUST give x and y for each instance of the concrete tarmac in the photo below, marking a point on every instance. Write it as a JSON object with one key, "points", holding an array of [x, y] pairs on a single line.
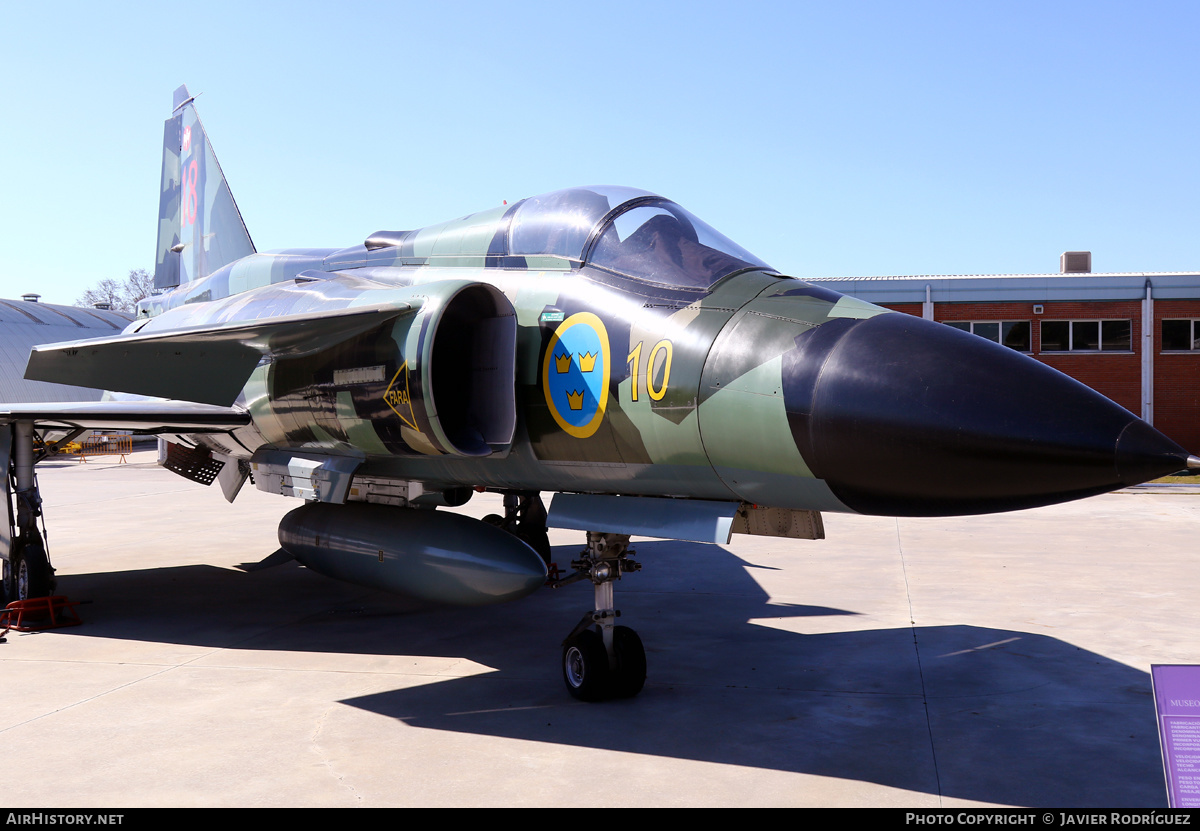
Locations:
{"points": [[998, 660]]}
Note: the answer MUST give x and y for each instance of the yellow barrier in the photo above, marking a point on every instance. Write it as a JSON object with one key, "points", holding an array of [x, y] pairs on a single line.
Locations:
{"points": [[103, 444]]}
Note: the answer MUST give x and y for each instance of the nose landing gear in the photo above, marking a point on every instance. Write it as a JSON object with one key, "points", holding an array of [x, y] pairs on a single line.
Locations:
{"points": [[600, 659]]}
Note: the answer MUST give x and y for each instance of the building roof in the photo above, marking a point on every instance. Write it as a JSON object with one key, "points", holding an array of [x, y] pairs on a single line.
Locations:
{"points": [[1016, 288], [24, 324]]}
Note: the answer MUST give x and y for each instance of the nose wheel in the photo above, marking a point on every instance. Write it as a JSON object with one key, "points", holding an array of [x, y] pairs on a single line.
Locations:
{"points": [[601, 660]]}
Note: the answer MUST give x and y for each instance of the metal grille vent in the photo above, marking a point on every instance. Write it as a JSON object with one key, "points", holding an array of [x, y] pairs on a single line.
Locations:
{"points": [[1076, 262], [192, 463]]}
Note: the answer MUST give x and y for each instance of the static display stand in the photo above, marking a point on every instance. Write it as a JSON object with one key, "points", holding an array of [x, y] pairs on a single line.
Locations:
{"points": [[1177, 701]]}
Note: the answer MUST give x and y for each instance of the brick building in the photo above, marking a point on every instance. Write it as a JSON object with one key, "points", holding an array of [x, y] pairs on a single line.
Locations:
{"points": [[1132, 337]]}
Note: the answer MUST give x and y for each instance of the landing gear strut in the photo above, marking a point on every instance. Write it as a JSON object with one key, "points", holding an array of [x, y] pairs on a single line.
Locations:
{"points": [[600, 659], [27, 569], [524, 518]]}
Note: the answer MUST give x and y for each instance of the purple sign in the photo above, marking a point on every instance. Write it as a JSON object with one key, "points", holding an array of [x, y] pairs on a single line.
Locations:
{"points": [[1177, 699]]}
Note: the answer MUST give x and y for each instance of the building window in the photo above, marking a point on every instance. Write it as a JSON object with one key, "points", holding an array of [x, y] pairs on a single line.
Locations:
{"points": [[1181, 336], [1087, 336], [1012, 333]]}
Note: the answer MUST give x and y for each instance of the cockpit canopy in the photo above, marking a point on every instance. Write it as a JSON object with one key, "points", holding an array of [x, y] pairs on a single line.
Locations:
{"points": [[621, 230]]}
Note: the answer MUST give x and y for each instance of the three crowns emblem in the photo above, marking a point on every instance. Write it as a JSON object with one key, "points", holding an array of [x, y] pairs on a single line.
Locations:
{"points": [[576, 375]]}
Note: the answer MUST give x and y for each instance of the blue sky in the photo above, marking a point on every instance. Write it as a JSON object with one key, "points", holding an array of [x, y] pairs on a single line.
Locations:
{"points": [[828, 139]]}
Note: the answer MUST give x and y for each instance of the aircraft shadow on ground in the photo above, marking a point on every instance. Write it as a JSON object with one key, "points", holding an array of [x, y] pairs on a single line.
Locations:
{"points": [[990, 715]]}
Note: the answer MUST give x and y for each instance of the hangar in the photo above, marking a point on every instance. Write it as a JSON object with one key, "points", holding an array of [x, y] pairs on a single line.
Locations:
{"points": [[1134, 337], [26, 323]]}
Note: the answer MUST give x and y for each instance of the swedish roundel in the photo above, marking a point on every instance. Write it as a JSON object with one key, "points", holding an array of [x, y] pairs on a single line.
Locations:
{"points": [[575, 374]]}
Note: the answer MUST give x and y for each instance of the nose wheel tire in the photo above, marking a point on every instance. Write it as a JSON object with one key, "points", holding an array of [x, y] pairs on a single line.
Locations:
{"points": [[585, 666]]}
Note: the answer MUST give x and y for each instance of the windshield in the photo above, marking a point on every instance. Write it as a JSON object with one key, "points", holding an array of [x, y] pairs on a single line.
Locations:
{"points": [[659, 242]]}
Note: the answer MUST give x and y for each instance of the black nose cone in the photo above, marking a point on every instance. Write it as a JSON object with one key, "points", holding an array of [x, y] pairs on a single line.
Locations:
{"points": [[905, 417]]}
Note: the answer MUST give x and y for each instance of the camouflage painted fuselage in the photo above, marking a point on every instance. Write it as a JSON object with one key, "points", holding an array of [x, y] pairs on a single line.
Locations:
{"points": [[649, 356]]}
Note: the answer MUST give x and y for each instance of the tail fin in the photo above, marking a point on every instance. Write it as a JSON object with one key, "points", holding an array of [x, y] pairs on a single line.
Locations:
{"points": [[200, 227]]}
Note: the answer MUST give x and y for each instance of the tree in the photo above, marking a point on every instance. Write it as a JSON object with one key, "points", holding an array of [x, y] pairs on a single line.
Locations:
{"points": [[121, 295]]}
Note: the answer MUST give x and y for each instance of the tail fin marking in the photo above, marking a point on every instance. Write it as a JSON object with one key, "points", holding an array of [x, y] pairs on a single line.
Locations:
{"points": [[200, 228]]}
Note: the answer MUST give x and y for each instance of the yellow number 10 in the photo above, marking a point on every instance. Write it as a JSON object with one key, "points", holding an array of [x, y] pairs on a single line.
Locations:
{"points": [[635, 360]]}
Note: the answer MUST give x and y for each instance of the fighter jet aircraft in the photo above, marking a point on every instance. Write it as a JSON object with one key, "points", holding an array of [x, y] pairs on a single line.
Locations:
{"points": [[598, 343]]}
